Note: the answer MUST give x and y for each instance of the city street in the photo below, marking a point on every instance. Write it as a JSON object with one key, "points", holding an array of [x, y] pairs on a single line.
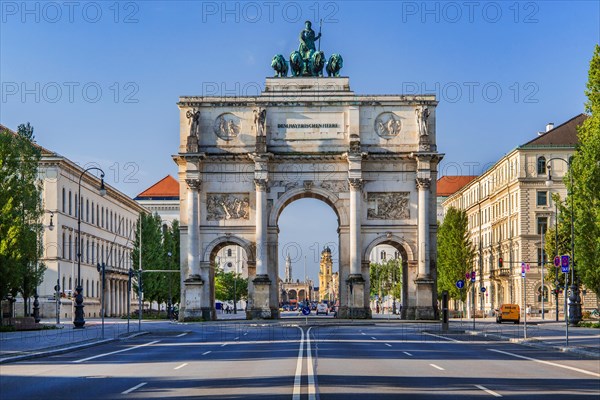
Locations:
{"points": [[325, 359]]}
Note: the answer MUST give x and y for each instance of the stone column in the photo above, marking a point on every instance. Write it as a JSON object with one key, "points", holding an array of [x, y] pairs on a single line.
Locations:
{"points": [[355, 234], [193, 307], [261, 226], [423, 185], [193, 225], [261, 304]]}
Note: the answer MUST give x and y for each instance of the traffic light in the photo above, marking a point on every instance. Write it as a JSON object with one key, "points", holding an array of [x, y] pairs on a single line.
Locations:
{"points": [[500, 262]]}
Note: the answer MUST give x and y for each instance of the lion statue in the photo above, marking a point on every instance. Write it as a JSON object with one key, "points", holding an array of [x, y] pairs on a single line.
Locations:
{"points": [[296, 63], [318, 62], [280, 66], [334, 65]]}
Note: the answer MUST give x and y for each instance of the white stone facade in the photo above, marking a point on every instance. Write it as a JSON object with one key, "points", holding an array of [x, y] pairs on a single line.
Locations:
{"points": [[107, 234], [373, 159]]}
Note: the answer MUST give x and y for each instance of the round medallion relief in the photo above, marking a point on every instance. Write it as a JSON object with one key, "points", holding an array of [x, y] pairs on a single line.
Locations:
{"points": [[227, 126], [388, 125]]}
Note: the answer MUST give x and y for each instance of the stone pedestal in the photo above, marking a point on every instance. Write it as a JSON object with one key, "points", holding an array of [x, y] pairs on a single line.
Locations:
{"points": [[356, 286], [192, 309], [260, 307], [425, 308]]}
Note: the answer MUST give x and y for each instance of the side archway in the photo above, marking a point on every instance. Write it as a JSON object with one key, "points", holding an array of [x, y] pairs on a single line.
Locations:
{"points": [[407, 254]]}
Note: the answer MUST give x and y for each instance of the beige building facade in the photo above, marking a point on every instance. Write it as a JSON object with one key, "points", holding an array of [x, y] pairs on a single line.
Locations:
{"points": [[509, 208]]}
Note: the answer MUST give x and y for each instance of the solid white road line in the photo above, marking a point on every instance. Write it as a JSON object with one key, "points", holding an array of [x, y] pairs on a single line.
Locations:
{"points": [[437, 367], [407, 353], [134, 388], [583, 371], [388, 345], [183, 334], [442, 337], [312, 389], [115, 352], [207, 352], [181, 366], [298, 377], [488, 391]]}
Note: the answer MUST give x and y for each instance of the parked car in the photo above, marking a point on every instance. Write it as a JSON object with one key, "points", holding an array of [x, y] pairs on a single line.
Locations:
{"points": [[509, 313], [322, 309]]}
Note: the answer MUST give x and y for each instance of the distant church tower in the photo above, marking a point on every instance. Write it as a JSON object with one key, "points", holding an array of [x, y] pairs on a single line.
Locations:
{"points": [[288, 269], [325, 276]]}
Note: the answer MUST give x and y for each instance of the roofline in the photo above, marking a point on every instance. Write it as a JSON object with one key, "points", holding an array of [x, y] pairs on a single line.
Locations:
{"points": [[556, 127]]}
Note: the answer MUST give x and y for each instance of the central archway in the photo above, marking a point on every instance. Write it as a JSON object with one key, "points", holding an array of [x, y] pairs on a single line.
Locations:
{"points": [[310, 254]]}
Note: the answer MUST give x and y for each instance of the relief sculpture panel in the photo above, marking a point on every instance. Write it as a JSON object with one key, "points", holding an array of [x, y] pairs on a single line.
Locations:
{"points": [[388, 205], [226, 206]]}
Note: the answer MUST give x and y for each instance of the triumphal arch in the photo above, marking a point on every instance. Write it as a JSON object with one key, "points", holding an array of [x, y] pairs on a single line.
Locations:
{"points": [[372, 158]]}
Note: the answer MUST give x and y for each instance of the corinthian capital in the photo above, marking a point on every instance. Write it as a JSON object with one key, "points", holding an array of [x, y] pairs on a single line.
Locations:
{"points": [[423, 183], [355, 183], [194, 184], [261, 185]]}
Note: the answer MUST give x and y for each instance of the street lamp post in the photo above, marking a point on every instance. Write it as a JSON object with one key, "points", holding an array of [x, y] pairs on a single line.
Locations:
{"points": [[36, 302], [574, 299], [169, 305], [79, 320]]}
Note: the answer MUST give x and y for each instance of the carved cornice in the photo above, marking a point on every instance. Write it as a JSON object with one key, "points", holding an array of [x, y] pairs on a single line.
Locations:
{"points": [[355, 183], [261, 184], [423, 183], [194, 184]]}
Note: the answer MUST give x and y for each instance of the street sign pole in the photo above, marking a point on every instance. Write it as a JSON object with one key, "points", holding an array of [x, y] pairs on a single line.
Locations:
{"points": [[564, 264]]}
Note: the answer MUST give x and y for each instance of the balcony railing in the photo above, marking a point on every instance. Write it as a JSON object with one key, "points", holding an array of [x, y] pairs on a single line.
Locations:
{"points": [[500, 272]]}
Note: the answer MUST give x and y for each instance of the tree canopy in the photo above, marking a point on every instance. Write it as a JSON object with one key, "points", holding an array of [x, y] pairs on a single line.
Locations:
{"points": [[455, 251], [21, 211]]}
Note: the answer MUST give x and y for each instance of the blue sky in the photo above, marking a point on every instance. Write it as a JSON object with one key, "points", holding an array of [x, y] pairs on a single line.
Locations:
{"points": [[99, 81]]}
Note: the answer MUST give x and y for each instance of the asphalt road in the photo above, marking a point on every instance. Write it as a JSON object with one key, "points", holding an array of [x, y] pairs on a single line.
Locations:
{"points": [[297, 361]]}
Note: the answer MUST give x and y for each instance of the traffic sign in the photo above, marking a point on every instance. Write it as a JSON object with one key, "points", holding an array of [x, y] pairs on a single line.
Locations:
{"points": [[472, 276], [460, 284], [564, 264], [305, 310], [482, 289], [527, 267], [468, 275], [557, 261], [523, 270]]}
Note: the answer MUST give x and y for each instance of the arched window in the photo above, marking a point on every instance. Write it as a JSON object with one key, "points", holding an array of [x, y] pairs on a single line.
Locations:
{"points": [[539, 294], [541, 165], [64, 246], [111, 221], [62, 289], [229, 253], [87, 286], [70, 247], [97, 215], [70, 284], [70, 203], [102, 225], [76, 205], [87, 251], [87, 210], [92, 288], [92, 213], [383, 255], [98, 288], [64, 200]]}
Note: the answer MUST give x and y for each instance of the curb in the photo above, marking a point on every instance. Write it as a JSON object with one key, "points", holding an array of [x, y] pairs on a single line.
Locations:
{"points": [[62, 350]]}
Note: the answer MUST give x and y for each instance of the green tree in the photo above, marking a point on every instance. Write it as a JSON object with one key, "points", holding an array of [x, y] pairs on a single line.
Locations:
{"points": [[224, 285], [21, 210], [455, 251], [564, 240], [585, 170], [386, 279], [153, 256], [171, 253]]}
